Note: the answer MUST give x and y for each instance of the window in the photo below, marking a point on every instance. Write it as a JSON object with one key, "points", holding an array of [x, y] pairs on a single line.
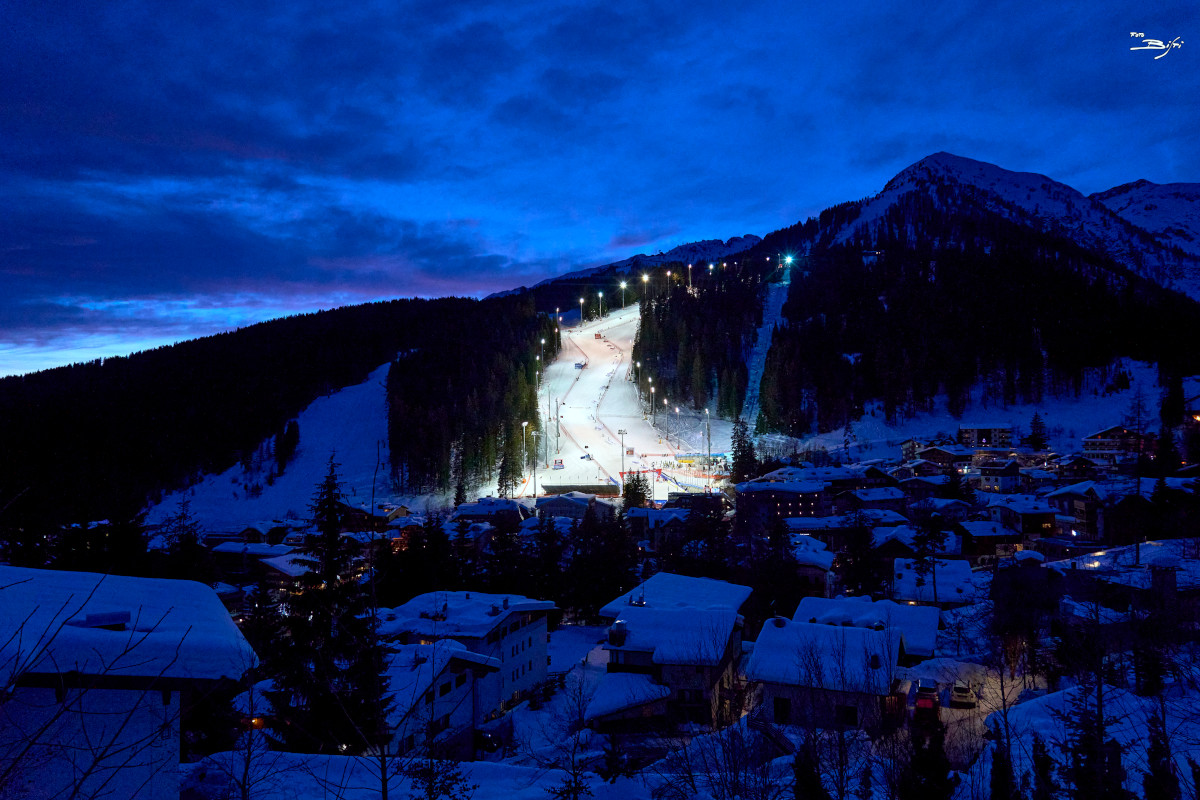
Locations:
{"points": [[444, 689], [846, 716], [429, 697], [460, 680]]}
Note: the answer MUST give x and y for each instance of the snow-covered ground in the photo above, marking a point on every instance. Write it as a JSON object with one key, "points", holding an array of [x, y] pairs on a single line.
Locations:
{"points": [[1068, 419], [600, 399]]}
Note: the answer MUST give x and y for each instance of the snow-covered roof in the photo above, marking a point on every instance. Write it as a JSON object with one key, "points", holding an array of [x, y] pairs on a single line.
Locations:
{"points": [[617, 691], [810, 552], [50, 622], [834, 657], [918, 625], [1022, 504], [955, 582], [448, 615], [292, 565], [256, 550], [980, 529], [878, 494], [677, 635], [412, 669], [656, 517], [796, 487], [870, 516], [666, 590]]}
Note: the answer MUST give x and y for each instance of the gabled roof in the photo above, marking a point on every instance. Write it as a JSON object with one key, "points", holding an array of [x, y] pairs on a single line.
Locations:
{"points": [[51, 623], [918, 625], [955, 582], [836, 658], [666, 590], [448, 615], [413, 669]]}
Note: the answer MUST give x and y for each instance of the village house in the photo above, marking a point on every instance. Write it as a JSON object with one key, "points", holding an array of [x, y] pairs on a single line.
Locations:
{"points": [[761, 503], [657, 526], [439, 693], [1001, 477], [95, 670], [984, 541], [575, 505], [509, 628], [949, 456], [835, 530], [501, 512], [682, 633], [885, 498], [949, 584], [985, 435], [917, 625], [1030, 516], [1112, 444], [823, 676]]}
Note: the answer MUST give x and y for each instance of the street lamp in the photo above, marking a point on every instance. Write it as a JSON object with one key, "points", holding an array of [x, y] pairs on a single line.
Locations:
{"points": [[637, 381], [622, 294], [581, 311], [543, 350], [601, 296], [535, 444], [652, 404], [524, 425], [708, 450], [622, 432]]}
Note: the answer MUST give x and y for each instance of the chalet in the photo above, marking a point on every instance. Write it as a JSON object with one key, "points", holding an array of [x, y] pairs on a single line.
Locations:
{"points": [[575, 505], [887, 498], [710, 504], [1030, 516], [948, 456], [919, 489], [437, 692], [916, 468], [97, 669], [1002, 477], [984, 541], [822, 676], [1080, 508], [949, 584], [834, 530], [948, 510], [658, 525], [501, 512], [241, 563], [1112, 444], [814, 565], [1074, 467], [509, 628], [985, 435], [684, 634], [917, 625]]}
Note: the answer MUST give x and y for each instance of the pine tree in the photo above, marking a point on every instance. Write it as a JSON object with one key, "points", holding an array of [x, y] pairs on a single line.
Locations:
{"points": [[928, 776], [1044, 787], [635, 492], [186, 557], [333, 660], [928, 541], [1003, 783], [1160, 781], [744, 463], [1037, 433]]}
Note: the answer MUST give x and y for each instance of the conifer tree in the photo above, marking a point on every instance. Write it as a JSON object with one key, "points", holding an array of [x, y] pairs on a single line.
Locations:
{"points": [[1160, 781], [1037, 433], [1044, 786], [332, 668], [744, 463]]}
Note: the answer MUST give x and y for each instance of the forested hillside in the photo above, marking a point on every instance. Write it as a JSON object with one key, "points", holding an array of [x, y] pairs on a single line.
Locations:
{"points": [[456, 403], [99, 440], [945, 302]]}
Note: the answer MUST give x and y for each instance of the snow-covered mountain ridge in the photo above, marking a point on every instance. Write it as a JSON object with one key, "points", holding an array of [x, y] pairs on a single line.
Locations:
{"points": [[1170, 211], [1043, 204], [690, 253]]}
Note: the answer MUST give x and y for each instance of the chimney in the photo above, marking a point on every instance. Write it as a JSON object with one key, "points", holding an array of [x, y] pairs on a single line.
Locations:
{"points": [[506, 602], [617, 633]]}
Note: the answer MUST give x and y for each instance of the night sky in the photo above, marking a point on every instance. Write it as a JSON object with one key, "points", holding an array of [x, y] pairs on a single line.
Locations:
{"points": [[170, 170]]}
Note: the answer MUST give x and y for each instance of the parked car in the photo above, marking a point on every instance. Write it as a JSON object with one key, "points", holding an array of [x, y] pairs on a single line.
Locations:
{"points": [[927, 707], [962, 695]]}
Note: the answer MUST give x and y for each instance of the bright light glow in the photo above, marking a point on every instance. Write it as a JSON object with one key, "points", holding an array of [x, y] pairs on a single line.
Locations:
{"points": [[787, 260]]}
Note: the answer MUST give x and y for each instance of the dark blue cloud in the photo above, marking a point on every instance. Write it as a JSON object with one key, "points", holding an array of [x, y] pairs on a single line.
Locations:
{"points": [[169, 168]]}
